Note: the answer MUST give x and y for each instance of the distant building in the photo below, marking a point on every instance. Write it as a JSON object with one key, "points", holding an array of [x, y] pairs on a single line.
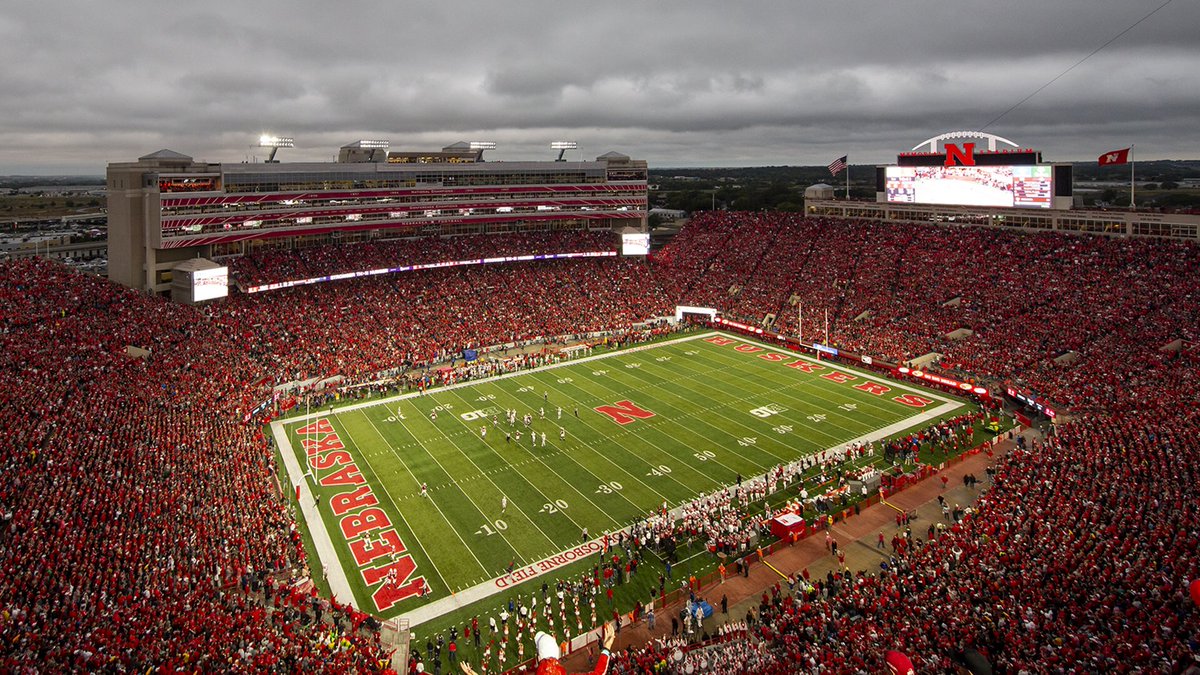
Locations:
{"points": [[819, 191], [669, 214]]}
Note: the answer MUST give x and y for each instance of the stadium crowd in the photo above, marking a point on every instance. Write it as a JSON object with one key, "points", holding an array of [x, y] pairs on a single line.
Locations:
{"points": [[1078, 558], [1066, 317], [269, 266], [141, 525], [358, 328]]}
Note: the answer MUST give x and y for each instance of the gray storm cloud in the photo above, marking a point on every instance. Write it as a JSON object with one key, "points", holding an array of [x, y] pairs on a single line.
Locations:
{"points": [[676, 83]]}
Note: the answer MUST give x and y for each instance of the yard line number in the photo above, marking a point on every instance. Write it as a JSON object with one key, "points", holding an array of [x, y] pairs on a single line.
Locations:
{"points": [[609, 488], [487, 531]]}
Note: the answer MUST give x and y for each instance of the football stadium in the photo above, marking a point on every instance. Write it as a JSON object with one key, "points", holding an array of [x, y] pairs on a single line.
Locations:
{"points": [[404, 411]]}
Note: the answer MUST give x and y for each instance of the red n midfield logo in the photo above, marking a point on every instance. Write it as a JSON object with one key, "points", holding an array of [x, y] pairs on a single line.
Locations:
{"points": [[964, 157], [624, 412]]}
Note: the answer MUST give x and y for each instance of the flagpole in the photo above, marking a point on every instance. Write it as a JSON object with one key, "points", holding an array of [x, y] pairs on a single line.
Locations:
{"points": [[1132, 182], [847, 177]]}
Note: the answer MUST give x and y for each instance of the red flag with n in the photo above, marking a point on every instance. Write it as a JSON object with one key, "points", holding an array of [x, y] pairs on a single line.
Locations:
{"points": [[1115, 157]]}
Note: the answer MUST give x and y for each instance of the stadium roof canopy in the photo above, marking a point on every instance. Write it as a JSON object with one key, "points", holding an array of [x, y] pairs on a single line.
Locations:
{"points": [[165, 154]]}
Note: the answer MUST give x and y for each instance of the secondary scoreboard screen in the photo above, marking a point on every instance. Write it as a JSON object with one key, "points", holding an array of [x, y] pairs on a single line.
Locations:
{"points": [[1015, 186], [210, 284], [635, 243]]}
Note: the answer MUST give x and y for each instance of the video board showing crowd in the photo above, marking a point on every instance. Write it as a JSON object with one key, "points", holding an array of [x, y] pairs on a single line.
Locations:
{"points": [[1012, 186]]}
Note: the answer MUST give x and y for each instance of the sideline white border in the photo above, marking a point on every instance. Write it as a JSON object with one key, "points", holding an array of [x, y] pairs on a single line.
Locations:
{"points": [[338, 582], [339, 585]]}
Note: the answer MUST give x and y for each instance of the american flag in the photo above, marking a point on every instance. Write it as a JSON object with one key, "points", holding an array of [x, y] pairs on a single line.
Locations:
{"points": [[837, 165]]}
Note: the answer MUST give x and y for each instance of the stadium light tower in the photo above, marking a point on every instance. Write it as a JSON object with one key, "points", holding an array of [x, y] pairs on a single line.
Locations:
{"points": [[365, 150], [562, 147], [480, 146], [275, 143]]}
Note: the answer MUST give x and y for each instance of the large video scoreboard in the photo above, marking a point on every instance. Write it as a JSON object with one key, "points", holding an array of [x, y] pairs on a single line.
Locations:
{"points": [[1017, 186], [960, 175]]}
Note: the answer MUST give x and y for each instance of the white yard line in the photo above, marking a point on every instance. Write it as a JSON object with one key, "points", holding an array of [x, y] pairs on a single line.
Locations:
{"points": [[490, 588], [600, 429], [533, 454], [338, 582], [486, 476], [515, 373], [841, 366], [628, 350], [400, 511]]}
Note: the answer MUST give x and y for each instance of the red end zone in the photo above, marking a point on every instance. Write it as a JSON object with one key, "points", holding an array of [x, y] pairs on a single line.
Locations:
{"points": [[366, 529]]}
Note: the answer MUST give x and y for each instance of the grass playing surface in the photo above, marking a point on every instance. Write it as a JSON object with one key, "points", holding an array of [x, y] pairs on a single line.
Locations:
{"points": [[719, 410]]}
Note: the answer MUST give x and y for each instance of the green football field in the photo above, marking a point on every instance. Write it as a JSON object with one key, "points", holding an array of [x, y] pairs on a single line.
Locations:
{"points": [[665, 422]]}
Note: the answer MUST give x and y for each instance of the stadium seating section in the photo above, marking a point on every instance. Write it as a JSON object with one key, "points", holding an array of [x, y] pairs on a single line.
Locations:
{"points": [[142, 527]]}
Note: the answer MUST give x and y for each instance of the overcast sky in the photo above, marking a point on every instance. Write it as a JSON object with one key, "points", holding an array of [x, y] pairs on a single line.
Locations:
{"points": [[676, 83]]}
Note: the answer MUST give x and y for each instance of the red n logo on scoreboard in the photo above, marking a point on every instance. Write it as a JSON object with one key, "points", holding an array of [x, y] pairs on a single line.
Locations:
{"points": [[624, 412], [963, 157]]}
